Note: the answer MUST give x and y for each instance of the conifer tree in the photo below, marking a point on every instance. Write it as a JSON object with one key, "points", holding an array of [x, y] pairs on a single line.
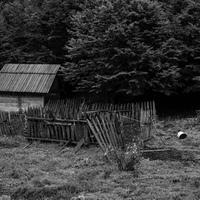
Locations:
{"points": [[34, 31], [116, 47]]}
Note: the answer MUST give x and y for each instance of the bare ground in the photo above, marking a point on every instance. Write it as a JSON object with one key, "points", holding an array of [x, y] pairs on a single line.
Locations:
{"points": [[41, 172]]}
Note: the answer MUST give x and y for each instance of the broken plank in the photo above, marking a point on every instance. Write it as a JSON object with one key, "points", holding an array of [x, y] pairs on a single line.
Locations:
{"points": [[78, 146]]}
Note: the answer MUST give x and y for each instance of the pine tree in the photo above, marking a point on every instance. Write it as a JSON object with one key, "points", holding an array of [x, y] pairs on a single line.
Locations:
{"points": [[116, 47], [35, 31]]}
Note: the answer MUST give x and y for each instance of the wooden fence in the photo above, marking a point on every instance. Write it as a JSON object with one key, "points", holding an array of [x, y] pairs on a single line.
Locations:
{"points": [[74, 109], [72, 121], [4, 124], [107, 129], [77, 122], [44, 124], [10, 123]]}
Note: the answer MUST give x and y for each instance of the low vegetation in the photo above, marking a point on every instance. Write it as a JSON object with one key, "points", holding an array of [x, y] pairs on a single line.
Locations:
{"points": [[40, 171]]}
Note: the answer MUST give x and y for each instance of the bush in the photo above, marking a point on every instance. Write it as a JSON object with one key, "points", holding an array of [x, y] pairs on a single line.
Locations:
{"points": [[126, 159]]}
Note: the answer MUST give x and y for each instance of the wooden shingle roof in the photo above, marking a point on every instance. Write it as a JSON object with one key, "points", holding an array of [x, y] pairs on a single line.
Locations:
{"points": [[34, 78]]}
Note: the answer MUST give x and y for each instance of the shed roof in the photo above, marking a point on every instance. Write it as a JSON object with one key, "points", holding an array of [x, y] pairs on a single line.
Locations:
{"points": [[34, 78]]}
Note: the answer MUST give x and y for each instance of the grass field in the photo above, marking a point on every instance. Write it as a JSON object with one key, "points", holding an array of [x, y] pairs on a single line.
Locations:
{"points": [[41, 172]]}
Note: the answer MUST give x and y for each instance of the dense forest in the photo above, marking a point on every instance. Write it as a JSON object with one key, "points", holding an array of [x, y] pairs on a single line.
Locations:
{"points": [[110, 47]]}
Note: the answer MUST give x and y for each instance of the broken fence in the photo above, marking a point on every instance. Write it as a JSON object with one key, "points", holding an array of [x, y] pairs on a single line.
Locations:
{"points": [[70, 121]]}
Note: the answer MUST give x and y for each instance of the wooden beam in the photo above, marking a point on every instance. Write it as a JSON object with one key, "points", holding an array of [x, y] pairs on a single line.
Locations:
{"points": [[47, 139], [56, 120]]}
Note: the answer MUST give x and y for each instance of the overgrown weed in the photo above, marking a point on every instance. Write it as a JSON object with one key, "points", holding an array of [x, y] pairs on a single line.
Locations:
{"points": [[127, 159]]}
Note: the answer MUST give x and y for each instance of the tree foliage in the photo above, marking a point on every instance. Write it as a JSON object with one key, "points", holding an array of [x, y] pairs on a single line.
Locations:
{"points": [[108, 46], [118, 46], [34, 31]]}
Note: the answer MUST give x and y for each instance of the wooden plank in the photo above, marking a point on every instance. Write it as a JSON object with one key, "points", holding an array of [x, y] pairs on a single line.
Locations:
{"points": [[68, 132], [96, 135], [111, 133], [59, 132], [55, 128], [48, 132], [118, 130], [65, 145], [104, 134], [79, 132], [47, 139], [51, 131], [73, 132], [58, 123], [86, 134], [98, 132], [35, 129], [107, 131], [56, 120], [78, 146], [64, 136]]}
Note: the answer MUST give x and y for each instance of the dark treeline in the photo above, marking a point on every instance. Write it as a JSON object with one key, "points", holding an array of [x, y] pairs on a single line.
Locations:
{"points": [[114, 48]]}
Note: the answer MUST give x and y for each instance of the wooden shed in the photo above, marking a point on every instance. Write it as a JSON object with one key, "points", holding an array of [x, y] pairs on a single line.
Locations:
{"points": [[25, 85]]}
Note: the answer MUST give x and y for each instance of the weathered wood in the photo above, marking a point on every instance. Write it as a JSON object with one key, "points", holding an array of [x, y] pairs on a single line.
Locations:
{"points": [[58, 123], [47, 139], [98, 132], [13, 102], [78, 146], [67, 120], [65, 145], [96, 135], [48, 120]]}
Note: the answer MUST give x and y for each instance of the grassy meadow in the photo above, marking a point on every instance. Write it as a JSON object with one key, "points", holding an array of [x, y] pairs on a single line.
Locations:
{"points": [[40, 171]]}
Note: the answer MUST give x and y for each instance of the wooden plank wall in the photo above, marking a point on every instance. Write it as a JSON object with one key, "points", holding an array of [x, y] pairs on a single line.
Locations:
{"points": [[12, 103]]}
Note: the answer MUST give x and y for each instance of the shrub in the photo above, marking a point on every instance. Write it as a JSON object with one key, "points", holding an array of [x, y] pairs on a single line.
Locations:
{"points": [[126, 159]]}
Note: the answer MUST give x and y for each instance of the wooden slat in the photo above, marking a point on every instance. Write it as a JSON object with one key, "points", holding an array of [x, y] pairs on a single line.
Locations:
{"points": [[96, 135]]}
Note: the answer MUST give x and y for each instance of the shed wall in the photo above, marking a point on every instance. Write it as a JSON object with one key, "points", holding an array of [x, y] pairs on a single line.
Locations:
{"points": [[14, 102]]}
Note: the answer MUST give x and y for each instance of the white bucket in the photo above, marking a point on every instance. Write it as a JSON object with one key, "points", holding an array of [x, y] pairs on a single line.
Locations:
{"points": [[181, 135]]}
